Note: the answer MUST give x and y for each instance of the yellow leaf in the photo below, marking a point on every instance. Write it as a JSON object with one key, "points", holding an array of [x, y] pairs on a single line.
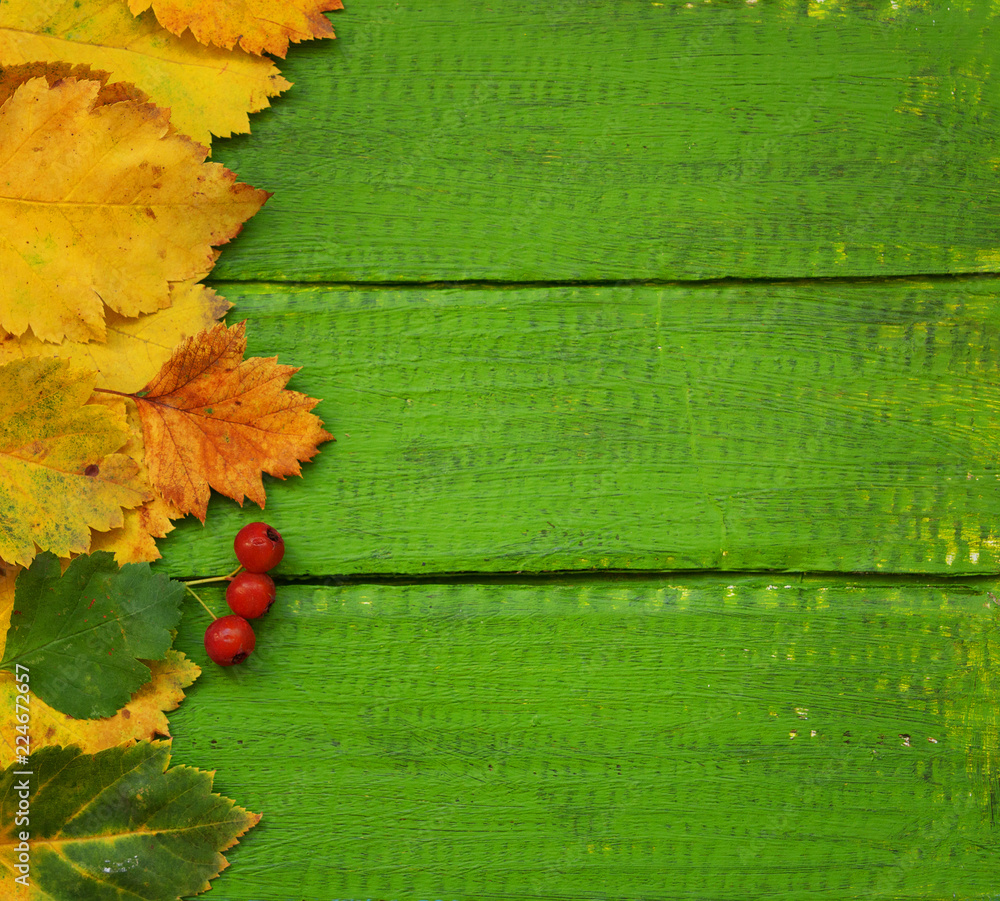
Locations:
{"points": [[208, 90], [135, 348], [102, 205], [59, 473], [144, 717], [259, 26], [135, 540], [212, 419]]}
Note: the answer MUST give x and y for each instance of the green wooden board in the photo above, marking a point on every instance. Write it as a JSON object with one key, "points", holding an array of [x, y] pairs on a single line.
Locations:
{"points": [[629, 139], [701, 737], [809, 426]]}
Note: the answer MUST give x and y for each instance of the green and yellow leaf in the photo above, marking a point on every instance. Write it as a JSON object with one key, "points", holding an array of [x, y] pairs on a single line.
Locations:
{"points": [[118, 824], [60, 473], [143, 718], [85, 634]]}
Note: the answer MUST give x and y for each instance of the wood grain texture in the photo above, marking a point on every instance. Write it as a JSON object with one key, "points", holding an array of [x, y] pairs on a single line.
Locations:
{"points": [[600, 736], [600, 140], [701, 737], [809, 426]]}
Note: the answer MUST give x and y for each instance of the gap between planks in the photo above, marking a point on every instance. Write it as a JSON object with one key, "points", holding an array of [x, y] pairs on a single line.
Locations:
{"points": [[474, 284], [971, 583]]}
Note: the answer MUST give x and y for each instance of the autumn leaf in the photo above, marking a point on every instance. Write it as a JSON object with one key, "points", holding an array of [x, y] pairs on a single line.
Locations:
{"points": [[60, 475], [102, 205], [118, 824], [135, 351], [208, 90], [84, 633], [134, 541], [135, 348], [12, 77], [143, 718], [258, 26], [212, 419]]}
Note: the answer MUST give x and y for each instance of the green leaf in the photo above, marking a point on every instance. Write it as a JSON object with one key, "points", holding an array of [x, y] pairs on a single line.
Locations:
{"points": [[84, 634], [118, 824]]}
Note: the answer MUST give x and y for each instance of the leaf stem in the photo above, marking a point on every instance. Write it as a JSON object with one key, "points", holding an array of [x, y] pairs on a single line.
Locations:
{"points": [[224, 578], [200, 601], [112, 391]]}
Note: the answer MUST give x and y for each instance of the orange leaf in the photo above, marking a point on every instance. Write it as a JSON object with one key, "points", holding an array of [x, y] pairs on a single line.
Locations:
{"points": [[212, 419], [102, 205], [259, 26]]}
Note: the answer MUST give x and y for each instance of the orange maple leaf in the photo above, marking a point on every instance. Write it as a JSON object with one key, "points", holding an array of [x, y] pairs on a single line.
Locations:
{"points": [[211, 419], [259, 26]]}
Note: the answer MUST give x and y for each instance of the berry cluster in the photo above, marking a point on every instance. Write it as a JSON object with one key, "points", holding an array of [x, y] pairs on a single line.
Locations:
{"points": [[230, 639]]}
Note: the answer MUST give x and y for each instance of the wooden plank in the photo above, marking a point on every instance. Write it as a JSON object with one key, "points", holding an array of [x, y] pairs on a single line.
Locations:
{"points": [[811, 426], [683, 738], [625, 139]]}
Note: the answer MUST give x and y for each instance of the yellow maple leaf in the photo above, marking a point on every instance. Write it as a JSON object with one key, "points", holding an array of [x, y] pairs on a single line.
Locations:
{"points": [[258, 26], [102, 205], [60, 473], [212, 419], [135, 540], [135, 349], [208, 90], [144, 717]]}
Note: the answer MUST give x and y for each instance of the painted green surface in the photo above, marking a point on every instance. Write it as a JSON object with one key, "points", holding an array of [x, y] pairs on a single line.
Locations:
{"points": [[629, 139], [702, 737], [809, 426], [682, 735]]}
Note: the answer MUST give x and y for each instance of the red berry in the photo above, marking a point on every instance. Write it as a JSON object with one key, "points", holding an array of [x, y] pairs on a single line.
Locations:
{"points": [[229, 640], [250, 594], [259, 547]]}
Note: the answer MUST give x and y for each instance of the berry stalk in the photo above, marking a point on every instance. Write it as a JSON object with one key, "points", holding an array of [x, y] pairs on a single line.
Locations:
{"points": [[199, 600], [224, 578]]}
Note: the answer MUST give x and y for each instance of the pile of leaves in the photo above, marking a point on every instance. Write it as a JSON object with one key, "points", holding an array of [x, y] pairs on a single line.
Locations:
{"points": [[123, 401]]}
